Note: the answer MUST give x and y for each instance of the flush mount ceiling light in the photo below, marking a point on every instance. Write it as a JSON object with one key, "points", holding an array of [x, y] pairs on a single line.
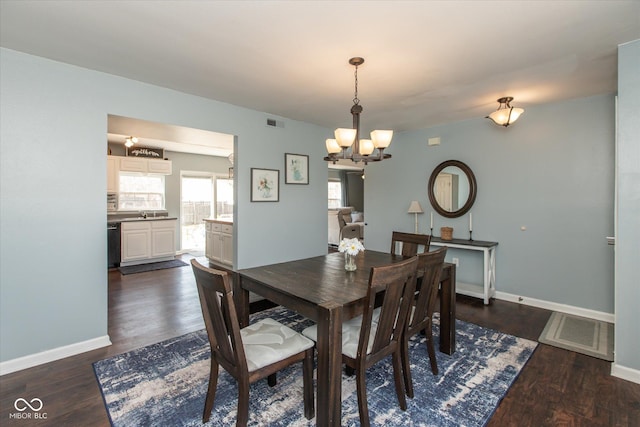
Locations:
{"points": [[130, 140], [347, 143], [505, 114]]}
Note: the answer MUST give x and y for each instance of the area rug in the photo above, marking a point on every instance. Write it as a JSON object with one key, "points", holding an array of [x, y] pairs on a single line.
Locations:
{"points": [[152, 266], [165, 384], [579, 334]]}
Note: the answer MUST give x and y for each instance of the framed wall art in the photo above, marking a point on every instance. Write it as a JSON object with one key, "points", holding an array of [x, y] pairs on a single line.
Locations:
{"points": [[296, 167], [265, 185]]}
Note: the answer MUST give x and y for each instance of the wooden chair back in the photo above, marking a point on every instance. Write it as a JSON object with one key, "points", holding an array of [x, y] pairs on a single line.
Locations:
{"points": [[410, 243], [429, 267], [394, 284], [220, 318], [420, 319]]}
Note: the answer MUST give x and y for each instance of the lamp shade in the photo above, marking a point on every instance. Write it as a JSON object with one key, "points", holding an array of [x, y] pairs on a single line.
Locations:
{"points": [[345, 137], [505, 114], [415, 207], [332, 146], [366, 147], [381, 138]]}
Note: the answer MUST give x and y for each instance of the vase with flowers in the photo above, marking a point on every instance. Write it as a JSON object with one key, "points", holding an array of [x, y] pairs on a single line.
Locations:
{"points": [[350, 248]]}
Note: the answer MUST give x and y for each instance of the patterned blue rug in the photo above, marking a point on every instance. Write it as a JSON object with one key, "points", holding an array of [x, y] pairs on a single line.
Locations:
{"points": [[165, 384]]}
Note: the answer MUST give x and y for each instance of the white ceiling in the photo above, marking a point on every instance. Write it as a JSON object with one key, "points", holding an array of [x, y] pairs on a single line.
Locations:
{"points": [[427, 62]]}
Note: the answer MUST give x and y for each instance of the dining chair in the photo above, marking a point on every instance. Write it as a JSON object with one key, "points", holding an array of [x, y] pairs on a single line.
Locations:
{"points": [[420, 318], [251, 353], [410, 243], [365, 341]]}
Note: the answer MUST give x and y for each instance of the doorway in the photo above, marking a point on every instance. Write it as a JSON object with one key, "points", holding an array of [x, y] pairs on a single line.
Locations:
{"points": [[196, 203]]}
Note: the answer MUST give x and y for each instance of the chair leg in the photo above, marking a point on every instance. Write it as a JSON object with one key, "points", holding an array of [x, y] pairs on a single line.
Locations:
{"points": [[361, 388], [243, 404], [211, 391], [272, 380], [397, 376], [432, 351], [307, 380], [406, 368]]}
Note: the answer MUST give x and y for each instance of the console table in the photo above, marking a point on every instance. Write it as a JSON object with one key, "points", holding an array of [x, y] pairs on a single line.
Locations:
{"points": [[488, 288]]}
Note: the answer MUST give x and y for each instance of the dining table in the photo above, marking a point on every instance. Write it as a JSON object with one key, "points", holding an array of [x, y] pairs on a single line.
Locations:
{"points": [[320, 289]]}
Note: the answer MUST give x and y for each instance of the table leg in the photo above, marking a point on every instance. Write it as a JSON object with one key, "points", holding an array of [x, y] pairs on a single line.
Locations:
{"points": [[448, 311], [241, 300], [329, 382]]}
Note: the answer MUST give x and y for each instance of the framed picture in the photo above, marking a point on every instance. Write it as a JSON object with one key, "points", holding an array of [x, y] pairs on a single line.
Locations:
{"points": [[264, 185], [296, 167]]}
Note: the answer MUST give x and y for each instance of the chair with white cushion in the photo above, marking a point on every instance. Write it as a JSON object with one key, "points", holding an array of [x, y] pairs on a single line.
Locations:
{"points": [[365, 341], [248, 354]]}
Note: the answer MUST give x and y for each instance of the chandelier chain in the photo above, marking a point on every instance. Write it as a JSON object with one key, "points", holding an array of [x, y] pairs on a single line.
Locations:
{"points": [[356, 101]]}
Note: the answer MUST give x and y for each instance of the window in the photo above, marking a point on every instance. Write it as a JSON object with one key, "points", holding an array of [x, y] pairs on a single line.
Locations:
{"points": [[335, 194], [140, 192]]}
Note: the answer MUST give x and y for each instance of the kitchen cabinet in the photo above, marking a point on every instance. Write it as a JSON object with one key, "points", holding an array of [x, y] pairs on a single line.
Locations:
{"points": [[112, 174], [163, 167], [144, 165], [219, 241], [148, 240], [133, 164]]}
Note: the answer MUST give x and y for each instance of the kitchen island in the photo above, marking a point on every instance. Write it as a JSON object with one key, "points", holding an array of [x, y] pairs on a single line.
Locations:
{"points": [[219, 241]]}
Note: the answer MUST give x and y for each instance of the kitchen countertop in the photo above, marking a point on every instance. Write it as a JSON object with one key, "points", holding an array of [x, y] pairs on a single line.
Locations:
{"points": [[220, 221], [149, 218]]}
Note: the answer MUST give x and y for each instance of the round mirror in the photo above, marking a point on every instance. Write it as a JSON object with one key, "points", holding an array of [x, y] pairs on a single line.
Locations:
{"points": [[452, 188]]}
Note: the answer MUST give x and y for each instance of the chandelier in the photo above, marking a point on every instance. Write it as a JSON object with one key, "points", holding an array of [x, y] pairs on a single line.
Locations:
{"points": [[347, 143], [505, 114]]}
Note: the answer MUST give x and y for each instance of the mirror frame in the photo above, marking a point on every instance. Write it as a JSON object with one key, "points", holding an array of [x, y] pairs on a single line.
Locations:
{"points": [[473, 188]]}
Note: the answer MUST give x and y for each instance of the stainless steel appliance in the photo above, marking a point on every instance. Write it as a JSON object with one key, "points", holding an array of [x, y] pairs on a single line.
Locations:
{"points": [[113, 239]]}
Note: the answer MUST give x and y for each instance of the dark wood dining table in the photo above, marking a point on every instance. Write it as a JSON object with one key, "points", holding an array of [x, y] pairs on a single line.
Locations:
{"points": [[319, 288]]}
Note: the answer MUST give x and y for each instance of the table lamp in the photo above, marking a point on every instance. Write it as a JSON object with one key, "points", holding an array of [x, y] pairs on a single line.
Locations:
{"points": [[415, 209]]}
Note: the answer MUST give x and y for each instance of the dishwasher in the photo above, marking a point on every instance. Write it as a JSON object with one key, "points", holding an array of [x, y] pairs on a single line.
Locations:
{"points": [[113, 241]]}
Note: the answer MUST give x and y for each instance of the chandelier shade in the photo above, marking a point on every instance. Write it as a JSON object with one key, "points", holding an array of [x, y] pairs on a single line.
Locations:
{"points": [[347, 143], [505, 114]]}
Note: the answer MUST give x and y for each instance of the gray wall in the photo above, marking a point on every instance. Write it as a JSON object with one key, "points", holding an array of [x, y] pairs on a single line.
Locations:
{"points": [[551, 172], [53, 126], [627, 340]]}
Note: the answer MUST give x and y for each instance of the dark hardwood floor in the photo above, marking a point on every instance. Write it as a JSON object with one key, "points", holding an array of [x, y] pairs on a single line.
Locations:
{"points": [[556, 387]]}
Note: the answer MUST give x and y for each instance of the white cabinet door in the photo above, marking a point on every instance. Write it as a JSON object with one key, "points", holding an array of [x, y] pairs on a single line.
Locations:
{"points": [[163, 238], [112, 174], [163, 167], [135, 242], [227, 248], [216, 247], [133, 164]]}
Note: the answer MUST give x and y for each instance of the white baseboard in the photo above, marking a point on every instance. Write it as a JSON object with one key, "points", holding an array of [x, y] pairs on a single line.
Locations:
{"points": [[625, 373], [54, 354], [554, 306]]}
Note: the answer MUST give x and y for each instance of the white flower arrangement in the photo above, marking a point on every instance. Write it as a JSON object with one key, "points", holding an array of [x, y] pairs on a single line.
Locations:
{"points": [[351, 246]]}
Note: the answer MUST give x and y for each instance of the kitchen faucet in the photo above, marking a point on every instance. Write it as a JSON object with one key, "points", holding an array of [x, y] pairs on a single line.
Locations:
{"points": [[143, 214]]}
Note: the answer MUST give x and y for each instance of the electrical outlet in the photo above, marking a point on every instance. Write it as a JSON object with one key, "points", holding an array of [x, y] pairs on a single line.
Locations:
{"points": [[456, 261]]}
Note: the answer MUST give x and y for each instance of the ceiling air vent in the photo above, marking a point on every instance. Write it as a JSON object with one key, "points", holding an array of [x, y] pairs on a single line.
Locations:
{"points": [[275, 123]]}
